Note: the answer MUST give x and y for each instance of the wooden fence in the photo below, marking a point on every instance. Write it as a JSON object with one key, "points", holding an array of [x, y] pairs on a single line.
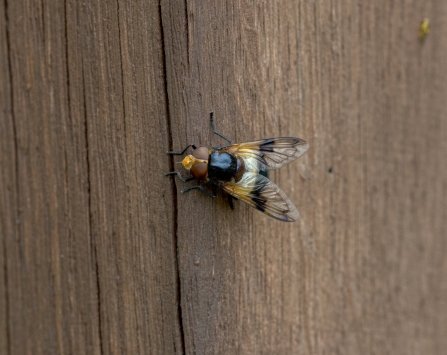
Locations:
{"points": [[101, 254]]}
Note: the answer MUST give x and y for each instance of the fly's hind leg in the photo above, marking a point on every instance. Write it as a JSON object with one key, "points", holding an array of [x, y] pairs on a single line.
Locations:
{"points": [[214, 130], [199, 188], [180, 176]]}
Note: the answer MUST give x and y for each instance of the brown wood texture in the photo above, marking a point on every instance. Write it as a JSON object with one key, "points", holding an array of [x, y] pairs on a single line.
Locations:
{"points": [[102, 254], [87, 216]]}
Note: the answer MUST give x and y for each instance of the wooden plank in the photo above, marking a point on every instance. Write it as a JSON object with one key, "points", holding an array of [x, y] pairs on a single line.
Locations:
{"points": [[363, 271], [87, 237], [36, 235], [98, 247], [8, 205], [117, 87], [49, 261]]}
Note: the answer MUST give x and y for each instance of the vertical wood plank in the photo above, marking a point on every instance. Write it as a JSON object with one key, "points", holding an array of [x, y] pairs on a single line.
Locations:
{"points": [[116, 68], [355, 81], [8, 205], [88, 253], [46, 238]]}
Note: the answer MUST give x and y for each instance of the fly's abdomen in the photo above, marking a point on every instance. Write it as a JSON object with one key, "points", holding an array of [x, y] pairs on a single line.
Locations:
{"points": [[222, 166]]}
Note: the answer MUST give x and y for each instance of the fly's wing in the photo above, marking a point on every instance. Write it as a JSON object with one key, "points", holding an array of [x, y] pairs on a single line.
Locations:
{"points": [[270, 153], [262, 194]]}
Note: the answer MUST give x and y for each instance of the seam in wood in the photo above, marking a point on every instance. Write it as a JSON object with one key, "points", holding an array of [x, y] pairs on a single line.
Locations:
{"points": [[175, 247], [67, 73], [186, 30], [122, 70], [17, 219], [67, 64], [42, 21], [90, 217]]}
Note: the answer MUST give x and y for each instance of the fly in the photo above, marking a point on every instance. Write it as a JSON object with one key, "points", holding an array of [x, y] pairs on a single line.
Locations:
{"points": [[241, 170]]}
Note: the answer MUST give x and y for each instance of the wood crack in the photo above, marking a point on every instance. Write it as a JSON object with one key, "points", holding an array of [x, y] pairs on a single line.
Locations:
{"points": [[122, 71], [16, 161], [175, 247], [90, 219], [186, 30]]}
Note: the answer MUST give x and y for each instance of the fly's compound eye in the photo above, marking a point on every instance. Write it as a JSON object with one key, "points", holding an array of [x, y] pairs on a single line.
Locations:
{"points": [[201, 153], [199, 170], [197, 163]]}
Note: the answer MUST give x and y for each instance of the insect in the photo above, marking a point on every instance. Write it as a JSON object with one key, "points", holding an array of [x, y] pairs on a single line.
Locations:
{"points": [[241, 170], [424, 28]]}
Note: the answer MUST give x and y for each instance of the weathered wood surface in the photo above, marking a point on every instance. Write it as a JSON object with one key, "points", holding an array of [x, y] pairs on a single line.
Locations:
{"points": [[87, 216], [101, 254]]}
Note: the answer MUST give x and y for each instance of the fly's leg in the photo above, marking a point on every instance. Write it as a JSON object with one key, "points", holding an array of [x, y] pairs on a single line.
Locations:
{"points": [[214, 130], [199, 188], [214, 186], [176, 172], [230, 201], [184, 150], [180, 176]]}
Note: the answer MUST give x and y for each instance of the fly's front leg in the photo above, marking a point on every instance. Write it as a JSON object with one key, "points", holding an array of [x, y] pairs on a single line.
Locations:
{"points": [[183, 151], [176, 172], [180, 176]]}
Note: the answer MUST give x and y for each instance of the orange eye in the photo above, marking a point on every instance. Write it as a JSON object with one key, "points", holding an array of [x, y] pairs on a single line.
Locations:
{"points": [[199, 170], [201, 153]]}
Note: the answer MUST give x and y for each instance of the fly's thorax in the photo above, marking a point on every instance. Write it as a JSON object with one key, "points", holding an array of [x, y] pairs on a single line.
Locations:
{"points": [[197, 163], [222, 166]]}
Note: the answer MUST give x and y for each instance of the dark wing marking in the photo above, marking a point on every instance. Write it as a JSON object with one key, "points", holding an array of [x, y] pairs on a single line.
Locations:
{"points": [[270, 153], [262, 194]]}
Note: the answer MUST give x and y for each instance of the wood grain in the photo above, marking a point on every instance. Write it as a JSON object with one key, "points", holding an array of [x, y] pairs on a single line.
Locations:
{"points": [[88, 215], [354, 80], [102, 254], [7, 180]]}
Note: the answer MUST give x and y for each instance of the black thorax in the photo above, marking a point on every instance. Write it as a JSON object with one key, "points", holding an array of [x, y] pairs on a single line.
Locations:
{"points": [[222, 166]]}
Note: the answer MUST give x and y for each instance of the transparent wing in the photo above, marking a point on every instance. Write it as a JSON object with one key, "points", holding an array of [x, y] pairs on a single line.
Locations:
{"points": [[270, 153], [262, 194]]}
